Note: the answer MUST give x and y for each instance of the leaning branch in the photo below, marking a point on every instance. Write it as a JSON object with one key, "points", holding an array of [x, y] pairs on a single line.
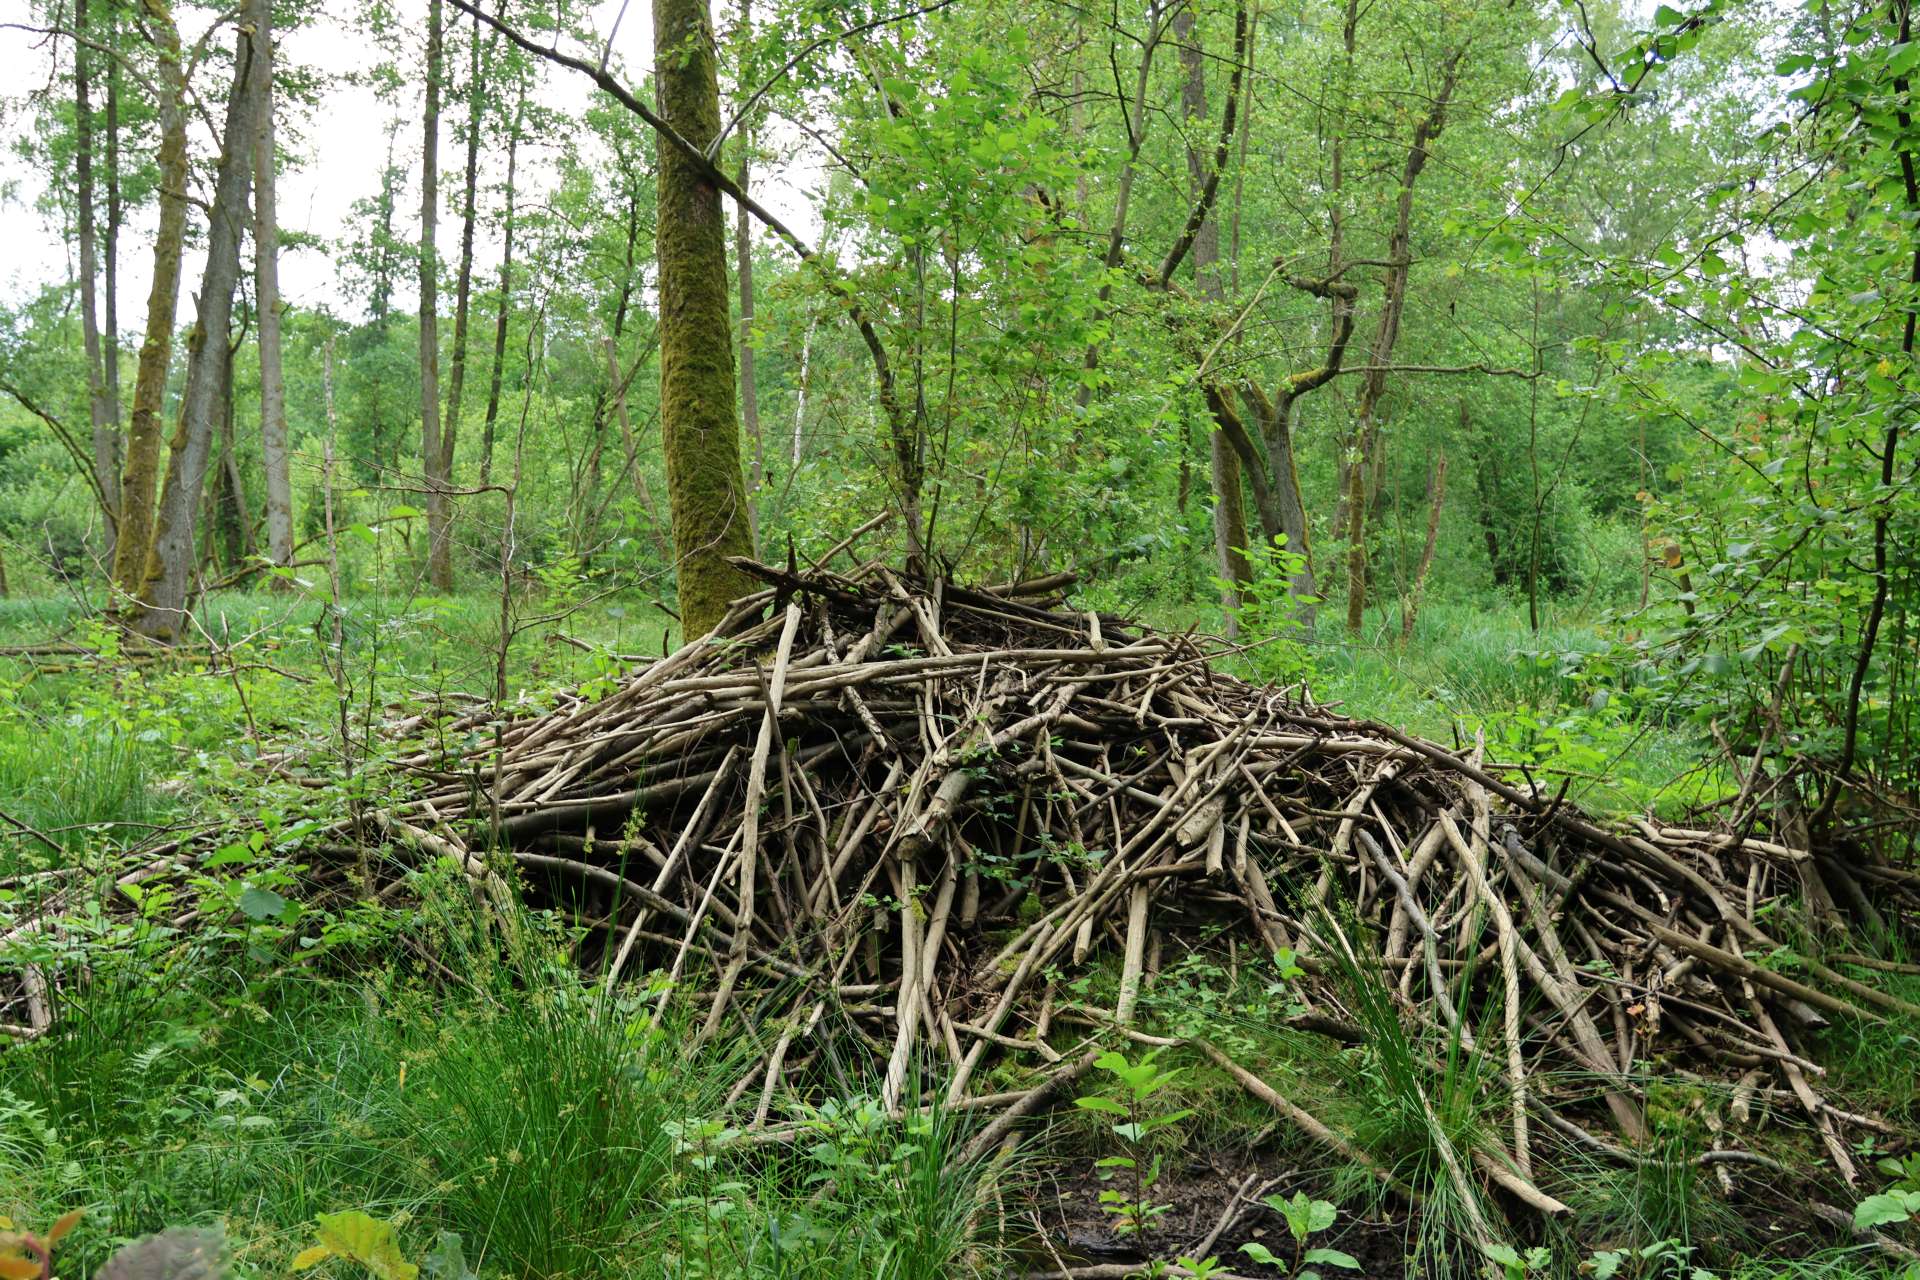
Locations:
{"points": [[1204, 205], [712, 173]]}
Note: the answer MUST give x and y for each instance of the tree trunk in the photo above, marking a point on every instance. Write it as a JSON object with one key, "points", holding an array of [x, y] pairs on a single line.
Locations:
{"points": [[1411, 611], [114, 217], [165, 589], [705, 493], [1288, 519], [1229, 503], [266, 272], [743, 261], [432, 458], [135, 542], [463, 293], [505, 308], [106, 426], [1392, 303]]}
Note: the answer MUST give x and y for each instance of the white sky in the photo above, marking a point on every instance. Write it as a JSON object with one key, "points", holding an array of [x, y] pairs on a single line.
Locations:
{"points": [[345, 149]]}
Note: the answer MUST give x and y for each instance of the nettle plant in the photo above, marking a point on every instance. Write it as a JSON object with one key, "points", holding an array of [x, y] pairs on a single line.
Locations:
{"points": [[1305, 1217], [1133, 1210]]}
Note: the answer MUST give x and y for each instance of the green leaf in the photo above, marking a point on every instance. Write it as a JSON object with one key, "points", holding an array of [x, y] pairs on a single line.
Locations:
{"points": [[1097, 1103], [360, 1238], [1887, 1207], [1260, 1253], [1332, 1258], [261, 904]]}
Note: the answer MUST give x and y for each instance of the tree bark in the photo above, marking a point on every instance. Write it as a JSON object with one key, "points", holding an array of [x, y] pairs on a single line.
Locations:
{"points": [[706, 495], [432, 457], [1229, 503], [167, 584], [106, 425], [463, 292], [111, 335], [743, 261], [135, 542], [266, 273], [505, 308], [1392, 305]]}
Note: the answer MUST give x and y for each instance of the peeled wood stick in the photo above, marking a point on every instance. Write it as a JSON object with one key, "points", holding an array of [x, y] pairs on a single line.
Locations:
{"points": [[750, 827], [1510, 975], [1423, 856], [907, 1009], [1745, 968], [1135, 955], [691, 832], [1797, 1079], [1064, 1077], [1430, 947], [1590, 1047], [686, 943]]}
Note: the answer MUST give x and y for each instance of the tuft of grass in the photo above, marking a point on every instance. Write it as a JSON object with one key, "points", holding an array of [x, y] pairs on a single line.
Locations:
{"points": [[69, 781], [1429, 1108]]}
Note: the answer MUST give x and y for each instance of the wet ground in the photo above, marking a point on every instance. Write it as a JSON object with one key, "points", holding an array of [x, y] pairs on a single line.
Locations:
{"points": [[1079, 1232]]}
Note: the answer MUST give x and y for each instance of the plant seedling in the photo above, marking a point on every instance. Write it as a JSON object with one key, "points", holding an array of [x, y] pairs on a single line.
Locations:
{"points": [[1133, 1212], [1304, 1217]]}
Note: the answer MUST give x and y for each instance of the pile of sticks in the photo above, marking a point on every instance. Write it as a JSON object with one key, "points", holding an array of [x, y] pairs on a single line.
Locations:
{"points": [[912, 812], [902, 816]]}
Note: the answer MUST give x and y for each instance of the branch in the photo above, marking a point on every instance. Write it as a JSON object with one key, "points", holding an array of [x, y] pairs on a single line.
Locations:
{"points": [[1492, 371], [1204, 205], [83, 461], [713, 148], [712, 173]]}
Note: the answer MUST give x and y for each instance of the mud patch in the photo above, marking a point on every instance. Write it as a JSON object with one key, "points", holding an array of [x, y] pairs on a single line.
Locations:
{"points": [[1076, 1231]]}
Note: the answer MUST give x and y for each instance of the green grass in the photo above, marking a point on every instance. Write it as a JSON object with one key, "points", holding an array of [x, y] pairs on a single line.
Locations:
{"points": [[190, 1080], [521, 1108]]}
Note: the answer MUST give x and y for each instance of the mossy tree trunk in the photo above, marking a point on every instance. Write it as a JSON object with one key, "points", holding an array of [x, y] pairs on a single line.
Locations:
{"points": [[168, 582], [142, 474], [700, 434]]}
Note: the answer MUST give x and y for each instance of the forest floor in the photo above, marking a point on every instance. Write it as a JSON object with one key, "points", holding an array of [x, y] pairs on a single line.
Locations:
{"points": [[402, 1069]]}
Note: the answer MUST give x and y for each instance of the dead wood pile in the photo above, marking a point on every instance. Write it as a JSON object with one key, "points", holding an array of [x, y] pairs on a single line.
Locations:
{"points": [[906, 815], [918, 810]]}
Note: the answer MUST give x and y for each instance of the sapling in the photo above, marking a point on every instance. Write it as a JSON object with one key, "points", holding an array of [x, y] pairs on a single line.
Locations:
{"points": [[1304, 1216], [1133, 1212]]}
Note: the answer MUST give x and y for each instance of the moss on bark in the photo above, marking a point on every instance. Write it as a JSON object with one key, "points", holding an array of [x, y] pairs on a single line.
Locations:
{"points": [[700, 434]]}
